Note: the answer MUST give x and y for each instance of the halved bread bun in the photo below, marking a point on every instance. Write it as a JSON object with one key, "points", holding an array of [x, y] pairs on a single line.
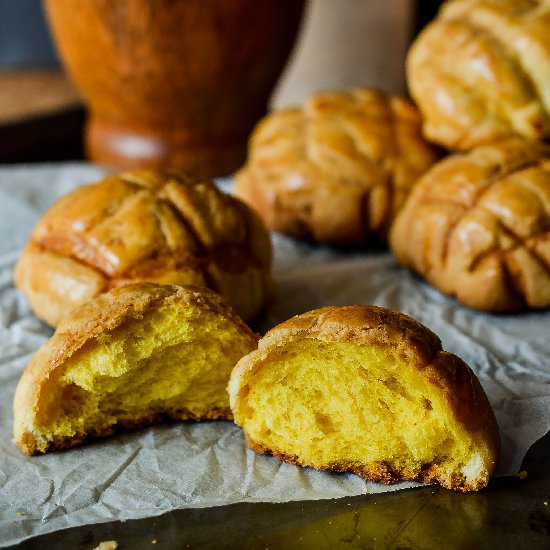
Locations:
{"points": [[366, 390], [136, 354]]}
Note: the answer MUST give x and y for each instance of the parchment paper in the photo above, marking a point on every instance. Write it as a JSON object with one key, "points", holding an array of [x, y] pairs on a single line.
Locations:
{"points": [[178, 465]]}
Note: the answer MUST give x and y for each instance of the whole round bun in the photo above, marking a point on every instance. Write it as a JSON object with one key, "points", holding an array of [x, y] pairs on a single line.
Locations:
{"points": [[163, 227], [477, 226], [336, 170], [481, 71]]}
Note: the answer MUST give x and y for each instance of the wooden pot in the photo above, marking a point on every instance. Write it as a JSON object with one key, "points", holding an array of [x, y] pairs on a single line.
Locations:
{"points": [[177, 83]]}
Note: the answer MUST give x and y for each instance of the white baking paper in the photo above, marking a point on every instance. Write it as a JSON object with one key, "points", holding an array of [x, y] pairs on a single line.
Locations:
{"points": [[178, 465]]}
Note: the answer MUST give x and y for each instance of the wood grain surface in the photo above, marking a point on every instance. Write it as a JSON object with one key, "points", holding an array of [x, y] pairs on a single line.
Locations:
{"points": [[31, 94]]}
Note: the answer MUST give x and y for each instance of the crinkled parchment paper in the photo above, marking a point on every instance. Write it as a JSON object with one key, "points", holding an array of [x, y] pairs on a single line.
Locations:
{"points": [[154, 470]]}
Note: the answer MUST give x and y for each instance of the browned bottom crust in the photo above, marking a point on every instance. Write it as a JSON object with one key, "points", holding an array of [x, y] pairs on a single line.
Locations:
{"points": [[30, 446], [382, 472]]}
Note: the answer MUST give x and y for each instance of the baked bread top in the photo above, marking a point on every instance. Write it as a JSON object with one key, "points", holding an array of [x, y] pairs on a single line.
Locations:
{"points": [[477, 226], [336, 170], [481, 71], [129, 358], [367, 390], [159, 226]]}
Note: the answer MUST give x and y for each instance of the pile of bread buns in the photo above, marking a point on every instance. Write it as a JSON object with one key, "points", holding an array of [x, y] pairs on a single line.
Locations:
{"points": [[349, 167], [150, 276]]}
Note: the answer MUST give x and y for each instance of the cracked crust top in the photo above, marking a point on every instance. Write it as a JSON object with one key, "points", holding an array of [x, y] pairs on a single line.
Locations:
{"points": [[157, 226], [481, 71], [337, 169], [477, 226]]}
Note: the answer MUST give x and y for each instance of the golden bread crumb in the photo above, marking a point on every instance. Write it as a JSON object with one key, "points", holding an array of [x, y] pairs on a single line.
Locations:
{"points": [[128, 359], [370, 391]]}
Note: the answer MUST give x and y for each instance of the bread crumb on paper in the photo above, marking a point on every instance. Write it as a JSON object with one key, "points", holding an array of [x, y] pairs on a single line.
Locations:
{"points": [[522, 475], [107, 545]]}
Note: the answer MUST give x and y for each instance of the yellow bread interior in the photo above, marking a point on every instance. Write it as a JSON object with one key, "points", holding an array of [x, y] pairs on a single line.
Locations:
{"points": [[349, 407], [172, 360]]}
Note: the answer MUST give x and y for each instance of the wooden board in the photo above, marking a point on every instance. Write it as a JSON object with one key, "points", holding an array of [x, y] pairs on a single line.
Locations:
{"points": [[41, 117]]}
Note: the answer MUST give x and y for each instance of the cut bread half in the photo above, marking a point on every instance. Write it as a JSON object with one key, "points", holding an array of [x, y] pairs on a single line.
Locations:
{"points": [[366, 390], [127, 359]]}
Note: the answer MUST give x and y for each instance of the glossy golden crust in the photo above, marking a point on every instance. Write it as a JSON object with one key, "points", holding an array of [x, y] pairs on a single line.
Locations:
{"points": [[81, 328], [162, 227], [477, 226], [337, 169], [420, 348], [481, 71]]}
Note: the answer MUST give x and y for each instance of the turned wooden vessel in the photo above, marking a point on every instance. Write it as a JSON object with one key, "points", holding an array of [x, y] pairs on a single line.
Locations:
{"points": [[176, 83]]}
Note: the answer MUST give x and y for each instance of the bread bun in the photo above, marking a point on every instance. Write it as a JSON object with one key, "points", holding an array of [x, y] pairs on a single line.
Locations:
{"points": [[367, 390], [481, 71], [336, 170], [477, 226], [163, 227], [134, 355]]}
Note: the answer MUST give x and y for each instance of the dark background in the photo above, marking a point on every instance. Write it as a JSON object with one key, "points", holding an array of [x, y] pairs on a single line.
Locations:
{"points": [[25, 41], [24, 38]]}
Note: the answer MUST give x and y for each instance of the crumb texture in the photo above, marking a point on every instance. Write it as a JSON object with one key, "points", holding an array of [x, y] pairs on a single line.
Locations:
{"points": [[338, 404], [172, 358]]}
